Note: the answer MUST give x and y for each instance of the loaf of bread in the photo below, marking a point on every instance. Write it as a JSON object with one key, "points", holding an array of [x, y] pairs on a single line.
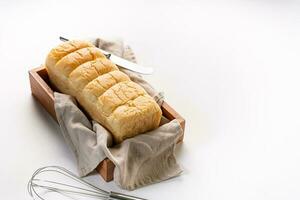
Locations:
{"points": [[107, 95]]}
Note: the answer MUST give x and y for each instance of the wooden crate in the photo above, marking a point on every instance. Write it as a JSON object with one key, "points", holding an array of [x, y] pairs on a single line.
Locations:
{"points": [[41, 89]]}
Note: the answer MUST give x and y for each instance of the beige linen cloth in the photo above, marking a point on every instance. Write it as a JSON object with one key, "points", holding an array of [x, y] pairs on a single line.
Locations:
{"points": [[142, 160]]}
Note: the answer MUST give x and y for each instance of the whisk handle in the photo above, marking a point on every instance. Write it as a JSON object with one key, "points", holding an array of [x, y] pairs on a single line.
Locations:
{"points": [[121, 196]]}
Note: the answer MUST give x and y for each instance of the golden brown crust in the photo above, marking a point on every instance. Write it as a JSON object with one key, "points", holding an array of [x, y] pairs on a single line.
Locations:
{"points": [[89, 71], [107, 94], [73, 60], [64, 49]]}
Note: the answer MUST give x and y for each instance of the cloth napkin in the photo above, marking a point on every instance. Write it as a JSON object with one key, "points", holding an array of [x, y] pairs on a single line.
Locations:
{"points": [[142, 160]]}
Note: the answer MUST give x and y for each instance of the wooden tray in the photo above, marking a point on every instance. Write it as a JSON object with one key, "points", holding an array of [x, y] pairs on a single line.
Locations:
{"points": [[43, 92]]}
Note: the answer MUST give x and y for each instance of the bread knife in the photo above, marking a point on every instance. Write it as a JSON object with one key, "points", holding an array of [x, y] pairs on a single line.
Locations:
{"points": [[121, 62]]}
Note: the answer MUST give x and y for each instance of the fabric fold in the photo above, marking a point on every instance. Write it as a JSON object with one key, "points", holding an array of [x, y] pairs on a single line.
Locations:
{"points": [[144, 159]]}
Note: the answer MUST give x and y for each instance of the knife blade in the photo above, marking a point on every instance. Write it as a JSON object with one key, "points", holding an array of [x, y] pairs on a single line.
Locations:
{"points": [[121, 62]]}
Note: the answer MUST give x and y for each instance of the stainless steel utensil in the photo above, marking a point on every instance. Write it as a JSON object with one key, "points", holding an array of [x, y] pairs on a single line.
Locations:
{"points": [[55, 179]]}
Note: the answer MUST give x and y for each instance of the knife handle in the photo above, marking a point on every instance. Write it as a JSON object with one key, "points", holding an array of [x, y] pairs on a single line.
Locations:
{"points": [[121, 196]]}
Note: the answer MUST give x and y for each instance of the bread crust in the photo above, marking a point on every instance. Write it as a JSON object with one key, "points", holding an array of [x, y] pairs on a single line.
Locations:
{"points": [[108, 95]]}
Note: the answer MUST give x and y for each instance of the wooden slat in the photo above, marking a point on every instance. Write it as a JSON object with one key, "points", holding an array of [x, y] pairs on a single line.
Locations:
{"points": [[41, 91], [171, 114], [106, 169]]}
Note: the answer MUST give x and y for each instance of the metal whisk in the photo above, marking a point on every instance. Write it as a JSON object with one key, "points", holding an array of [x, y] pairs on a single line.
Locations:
{"points": [[39, 187]]}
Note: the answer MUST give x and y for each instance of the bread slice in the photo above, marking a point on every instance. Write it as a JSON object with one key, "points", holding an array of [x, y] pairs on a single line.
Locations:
{"points": [[108, 95]]}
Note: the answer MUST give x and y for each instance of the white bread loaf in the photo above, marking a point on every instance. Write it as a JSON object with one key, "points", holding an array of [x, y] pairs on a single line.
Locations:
{"points": [[108, 95]]}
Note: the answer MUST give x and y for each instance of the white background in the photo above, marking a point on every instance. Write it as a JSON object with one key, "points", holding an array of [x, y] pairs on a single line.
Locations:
{"points": [[231, 68]]}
